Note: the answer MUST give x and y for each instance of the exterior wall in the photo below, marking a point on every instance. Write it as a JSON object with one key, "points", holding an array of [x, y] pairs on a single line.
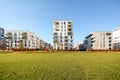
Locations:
{"points": [[62, 35], [21, 40], [2, 38], [99, 41], [116, 38]]}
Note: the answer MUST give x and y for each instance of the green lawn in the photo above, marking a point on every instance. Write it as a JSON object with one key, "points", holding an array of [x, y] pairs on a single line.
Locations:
{"points": [[60, 66]]}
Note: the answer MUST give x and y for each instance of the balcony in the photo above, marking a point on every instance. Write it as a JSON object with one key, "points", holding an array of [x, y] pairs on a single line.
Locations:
{"points": [[92, 38], [69, 29], [55, 41], [92, 41], [24, 34], [55, 37], [57, 29], [69, 26], [24, 37], [69, 23], [56, 23], [55, 33], [70, 33], [9, 33], [9, 37]]}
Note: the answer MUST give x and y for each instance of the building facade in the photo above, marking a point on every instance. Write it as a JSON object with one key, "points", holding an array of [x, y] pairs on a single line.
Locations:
{"points": [[44, 45], [18, 39], [62, 35], [2, 39], [98, 41], [116, 38]]}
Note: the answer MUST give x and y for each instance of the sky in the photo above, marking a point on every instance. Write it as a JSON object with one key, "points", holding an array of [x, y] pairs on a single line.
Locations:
{"points": [[37, 16]]}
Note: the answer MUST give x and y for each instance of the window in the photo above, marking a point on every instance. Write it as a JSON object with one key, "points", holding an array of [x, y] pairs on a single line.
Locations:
{"points": [[66, 36], [109, 37], [61, 34], [65, 33], [104, 45], [65, 30], [15, 34], [15, 45], [109, 41], [109, 44], [11, 45], [25, 45], [60, 37], [66, 44], [66, 40], [15, 41]]}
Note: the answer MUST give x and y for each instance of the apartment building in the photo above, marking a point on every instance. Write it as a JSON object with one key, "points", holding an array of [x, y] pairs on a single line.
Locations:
{"points": [[116, 38], [2, 38], [62, 35], [98, 41], [19, 39], [44, 45]]}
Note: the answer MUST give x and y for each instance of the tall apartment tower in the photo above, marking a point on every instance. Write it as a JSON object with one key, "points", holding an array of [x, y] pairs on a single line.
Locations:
{"points": [[98, 41], [62, 35]]}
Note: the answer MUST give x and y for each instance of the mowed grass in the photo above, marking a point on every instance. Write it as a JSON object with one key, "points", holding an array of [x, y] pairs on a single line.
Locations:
{"points": [[60, 66]]}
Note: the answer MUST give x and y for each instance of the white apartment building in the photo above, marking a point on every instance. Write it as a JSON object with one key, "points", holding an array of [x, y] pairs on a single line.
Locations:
{"points": [[19, 39], [62, 35], [116, 38], [98, 41]]}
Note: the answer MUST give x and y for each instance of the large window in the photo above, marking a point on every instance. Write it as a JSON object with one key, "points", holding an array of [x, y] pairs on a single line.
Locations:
{"points": [[66, 40]]}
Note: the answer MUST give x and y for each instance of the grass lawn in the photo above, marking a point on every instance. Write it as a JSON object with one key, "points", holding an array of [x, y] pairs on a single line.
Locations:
{"points": [[60, 66]]}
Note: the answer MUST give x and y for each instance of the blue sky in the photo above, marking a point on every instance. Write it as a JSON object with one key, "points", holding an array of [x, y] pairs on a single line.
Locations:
{"points": [[37, 16]]}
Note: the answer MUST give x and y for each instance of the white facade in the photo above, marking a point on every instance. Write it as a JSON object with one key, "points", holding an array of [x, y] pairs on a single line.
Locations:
{"points": [[62, 35], [18, 39], [99, 41], [116, 38]]}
